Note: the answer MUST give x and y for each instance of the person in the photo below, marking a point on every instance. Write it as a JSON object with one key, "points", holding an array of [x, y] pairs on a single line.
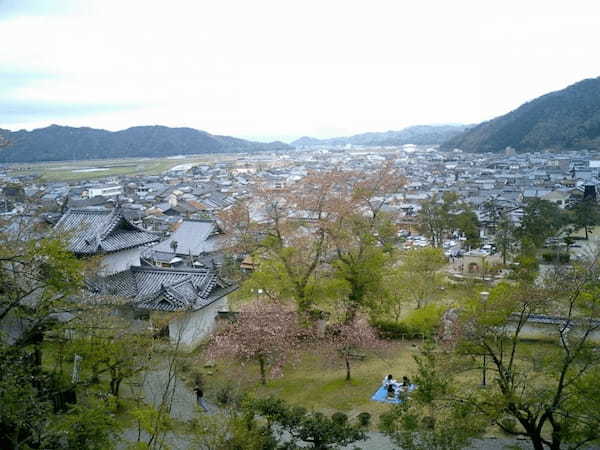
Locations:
{"points": [[388, 380], [405, 381], [199, 398], [403, 393], [391, 391]]}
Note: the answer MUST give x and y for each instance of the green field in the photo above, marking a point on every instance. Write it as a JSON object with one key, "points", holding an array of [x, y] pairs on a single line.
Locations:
{"points": [[91, 169], [314, 380]]}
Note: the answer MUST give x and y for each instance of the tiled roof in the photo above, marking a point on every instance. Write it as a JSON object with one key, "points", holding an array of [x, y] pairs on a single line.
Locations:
{"points": [[193, 237], [93, 231], [164, 289]]}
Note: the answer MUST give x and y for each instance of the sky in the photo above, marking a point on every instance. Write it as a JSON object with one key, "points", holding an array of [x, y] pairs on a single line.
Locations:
{"points": [[281, 69]]}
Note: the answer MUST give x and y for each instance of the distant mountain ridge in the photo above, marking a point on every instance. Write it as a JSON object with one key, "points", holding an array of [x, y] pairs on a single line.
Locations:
{"points": [[568, 119], [418, 135], [61, 143]]}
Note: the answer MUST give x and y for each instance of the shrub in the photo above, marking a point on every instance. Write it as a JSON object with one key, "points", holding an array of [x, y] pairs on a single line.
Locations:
{"points": [[364, 419], [428, 422], [340, 418], [389, 329], [227, 395], [425, 320], [421, 322], [509, 423], [563, 258]]}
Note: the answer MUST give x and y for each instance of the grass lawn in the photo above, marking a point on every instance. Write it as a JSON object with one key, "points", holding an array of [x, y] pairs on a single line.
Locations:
{"points": [[317, 382]]}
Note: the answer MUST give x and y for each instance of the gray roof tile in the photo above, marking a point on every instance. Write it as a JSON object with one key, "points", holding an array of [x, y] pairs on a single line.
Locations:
{"points": [[165, 289], [93, 231]]}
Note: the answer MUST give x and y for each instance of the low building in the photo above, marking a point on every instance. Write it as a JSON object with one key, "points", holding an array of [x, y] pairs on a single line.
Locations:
{"points": [[197, 295], [107, 233], [194, 243], [105, 190]]}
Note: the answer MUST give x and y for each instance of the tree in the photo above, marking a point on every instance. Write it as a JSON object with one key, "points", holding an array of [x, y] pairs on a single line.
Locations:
{"points": [[492, 211], [419, 270], [439, 216], [391, 299], [541, 220], [429, 419], [315, 428], [467, 222], [325, 236], [346, 340], [287, 229], [363, 235], [231, 429], [84, 426], [505, 236], [37, 278], [263, 332], [543, 392], [586, 214], [109, 345]]}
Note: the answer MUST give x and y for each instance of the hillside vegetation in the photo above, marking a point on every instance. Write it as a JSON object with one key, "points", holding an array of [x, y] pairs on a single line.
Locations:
{"points": [[58, 143], [418, 135], [568, 120]]}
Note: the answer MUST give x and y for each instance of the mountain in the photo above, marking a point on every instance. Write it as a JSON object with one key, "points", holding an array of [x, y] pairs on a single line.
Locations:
{"points": [[567, 120], [418, 135], [58, 143]]}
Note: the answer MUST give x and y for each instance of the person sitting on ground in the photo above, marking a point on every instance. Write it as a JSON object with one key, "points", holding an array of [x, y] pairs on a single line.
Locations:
{"points": [[391, 391], [388, 380], [405, 381]]}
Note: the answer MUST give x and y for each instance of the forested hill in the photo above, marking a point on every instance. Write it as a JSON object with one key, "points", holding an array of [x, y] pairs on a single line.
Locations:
{"points": [[567, 120], [58, 143], [418, 135]]}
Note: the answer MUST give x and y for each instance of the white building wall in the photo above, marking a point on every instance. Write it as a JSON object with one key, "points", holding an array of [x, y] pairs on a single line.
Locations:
{"points": [[549, 332], [120, 261], [194, 326], [106, 191]]}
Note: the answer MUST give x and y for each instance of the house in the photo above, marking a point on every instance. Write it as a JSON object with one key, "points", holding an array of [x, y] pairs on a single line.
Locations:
{"points": [[196, 294], [107, 233], [194, 242], [559, 197], [104, 190]]}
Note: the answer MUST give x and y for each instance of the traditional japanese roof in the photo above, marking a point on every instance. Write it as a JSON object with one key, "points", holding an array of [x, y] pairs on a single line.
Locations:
{"points": [[93, 231], [193, 237], [165, 289]]}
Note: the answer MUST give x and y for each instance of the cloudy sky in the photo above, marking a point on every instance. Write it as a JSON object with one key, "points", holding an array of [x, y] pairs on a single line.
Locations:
{"points": [[280, 69]]}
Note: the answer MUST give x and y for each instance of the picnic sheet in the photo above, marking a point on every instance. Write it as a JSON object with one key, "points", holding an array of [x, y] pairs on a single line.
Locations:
{"points": [[381, 395]]}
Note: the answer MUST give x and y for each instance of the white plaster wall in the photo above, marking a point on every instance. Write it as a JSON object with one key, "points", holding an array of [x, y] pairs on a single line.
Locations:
{"points": [[196, 325], [120, 261], [542, 331]]}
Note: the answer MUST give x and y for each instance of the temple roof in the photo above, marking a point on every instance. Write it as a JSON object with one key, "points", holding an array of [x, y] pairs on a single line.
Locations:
{"points": [[93, 231], [165, 289]]}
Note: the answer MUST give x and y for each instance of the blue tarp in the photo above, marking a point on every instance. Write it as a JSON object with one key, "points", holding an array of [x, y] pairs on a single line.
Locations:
{"points": [[381, 395]]}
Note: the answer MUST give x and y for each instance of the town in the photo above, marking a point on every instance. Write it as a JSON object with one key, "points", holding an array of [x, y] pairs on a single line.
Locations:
{"points": [[167, 245], [302, 225]]}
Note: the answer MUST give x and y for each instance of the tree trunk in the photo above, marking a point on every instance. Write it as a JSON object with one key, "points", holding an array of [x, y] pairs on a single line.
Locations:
{"points": [[115, 384], [351, 312], [347, 367], [263, 375], [536, 441], [534, 435]]}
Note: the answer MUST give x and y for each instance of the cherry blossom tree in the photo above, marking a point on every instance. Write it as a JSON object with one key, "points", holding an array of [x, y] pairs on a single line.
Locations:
{"points": [[345, 340], [263, 332]]}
